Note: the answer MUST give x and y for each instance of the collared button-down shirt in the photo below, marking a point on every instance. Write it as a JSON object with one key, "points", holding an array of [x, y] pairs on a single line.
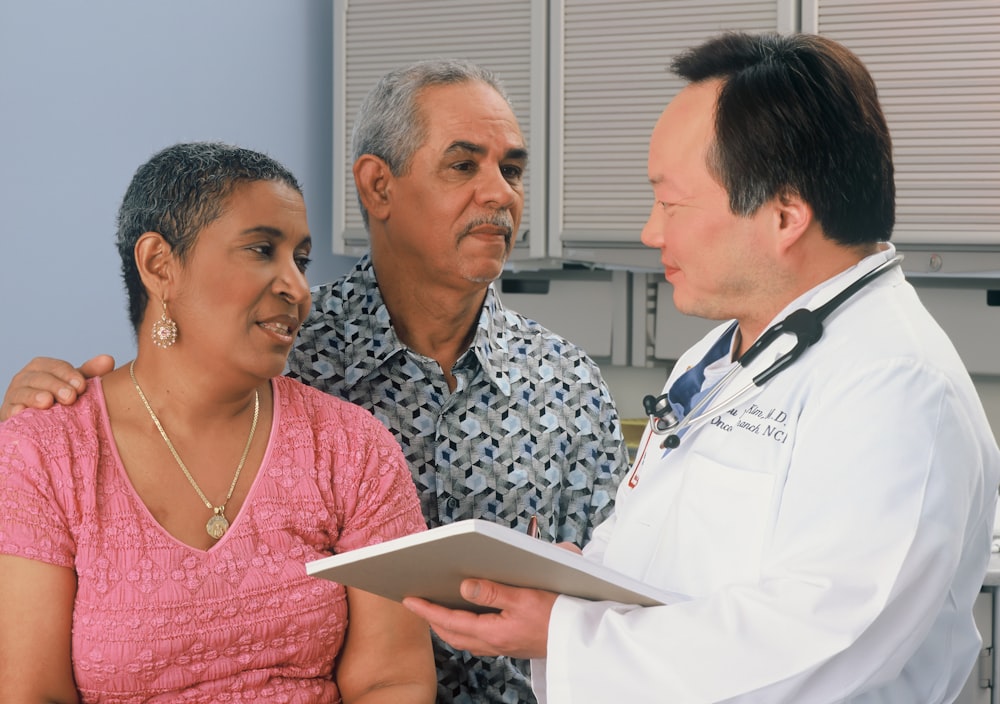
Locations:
{"points": [[530, 429]]}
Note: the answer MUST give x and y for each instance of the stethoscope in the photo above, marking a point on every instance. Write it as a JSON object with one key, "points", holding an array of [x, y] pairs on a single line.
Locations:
{"points": [[805, 324]]}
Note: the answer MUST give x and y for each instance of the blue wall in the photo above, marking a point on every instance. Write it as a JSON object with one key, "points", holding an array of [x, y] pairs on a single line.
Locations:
{"points": [[89, 91]]}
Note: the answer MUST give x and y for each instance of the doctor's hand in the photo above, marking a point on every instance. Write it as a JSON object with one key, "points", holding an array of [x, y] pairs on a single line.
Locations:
{"points": [[44, 381], [520, 630]]}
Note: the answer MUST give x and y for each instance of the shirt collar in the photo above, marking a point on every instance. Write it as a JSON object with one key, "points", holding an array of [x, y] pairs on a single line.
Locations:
{"points": [[366, 322], [367, 313], [823, 292], [492, 343]]}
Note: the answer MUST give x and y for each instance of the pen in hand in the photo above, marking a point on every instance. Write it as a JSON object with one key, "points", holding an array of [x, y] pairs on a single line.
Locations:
{"points": [[533, 527], [533, 532]]}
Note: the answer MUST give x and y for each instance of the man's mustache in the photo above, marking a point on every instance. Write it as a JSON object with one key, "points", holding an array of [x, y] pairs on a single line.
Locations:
{"points": [[502, 220]]}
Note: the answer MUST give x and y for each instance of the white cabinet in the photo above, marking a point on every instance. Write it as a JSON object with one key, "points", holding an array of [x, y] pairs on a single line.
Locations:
{"points": [[588, 79], [609, 80], [590, 308], [372, 37], [970, 316], [980, 688], [936, 67]]}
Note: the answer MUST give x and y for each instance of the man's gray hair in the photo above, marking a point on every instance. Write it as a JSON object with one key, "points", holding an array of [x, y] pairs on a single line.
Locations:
{"points": [[389, 124]]}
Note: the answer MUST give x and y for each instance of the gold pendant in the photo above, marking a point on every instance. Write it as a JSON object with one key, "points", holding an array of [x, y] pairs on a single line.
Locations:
{"points": [[217, 525]]}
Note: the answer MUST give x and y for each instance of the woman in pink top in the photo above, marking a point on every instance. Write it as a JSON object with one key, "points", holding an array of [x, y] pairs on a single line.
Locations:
{"points": [[153, 536]]}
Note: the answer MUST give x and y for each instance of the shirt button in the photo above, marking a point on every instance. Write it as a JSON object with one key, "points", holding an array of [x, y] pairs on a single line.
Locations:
{"points": [[452, 502]]}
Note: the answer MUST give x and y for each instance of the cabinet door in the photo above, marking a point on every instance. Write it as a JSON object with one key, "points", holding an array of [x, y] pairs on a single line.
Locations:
{"points": [[936, 66], [609, 82], [371, 37], [979, 687]]}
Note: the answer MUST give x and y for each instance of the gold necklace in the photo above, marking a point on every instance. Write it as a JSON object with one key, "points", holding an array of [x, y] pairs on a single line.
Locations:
{"points": [[217, 525]]}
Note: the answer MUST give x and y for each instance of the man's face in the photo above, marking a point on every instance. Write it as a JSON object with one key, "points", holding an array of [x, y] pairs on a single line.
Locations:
{"points": [[712, 257], [456, 211]]}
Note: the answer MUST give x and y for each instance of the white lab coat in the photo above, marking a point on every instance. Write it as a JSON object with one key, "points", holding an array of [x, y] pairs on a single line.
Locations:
{"points": [[833, 530]]}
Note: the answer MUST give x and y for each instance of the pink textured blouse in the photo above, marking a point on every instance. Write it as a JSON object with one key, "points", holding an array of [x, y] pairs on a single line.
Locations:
{"points": [[158, 621]]}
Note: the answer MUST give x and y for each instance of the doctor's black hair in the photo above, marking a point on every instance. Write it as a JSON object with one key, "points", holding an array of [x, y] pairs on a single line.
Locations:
{"points": [[179, 191], [798, 114]]}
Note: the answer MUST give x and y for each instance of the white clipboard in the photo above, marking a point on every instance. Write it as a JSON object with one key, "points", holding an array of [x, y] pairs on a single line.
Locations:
{"points": [[433, 563]]}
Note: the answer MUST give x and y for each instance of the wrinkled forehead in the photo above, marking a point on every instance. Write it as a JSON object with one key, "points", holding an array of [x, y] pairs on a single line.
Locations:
{"points": [[471, 113]]}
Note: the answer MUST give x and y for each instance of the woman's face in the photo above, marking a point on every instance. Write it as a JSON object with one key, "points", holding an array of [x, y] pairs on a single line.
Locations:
{"points": [[241, 293]]}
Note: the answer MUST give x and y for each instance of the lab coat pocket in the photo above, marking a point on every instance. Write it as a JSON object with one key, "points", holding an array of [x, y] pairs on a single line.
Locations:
{"points": [[720, 522]]}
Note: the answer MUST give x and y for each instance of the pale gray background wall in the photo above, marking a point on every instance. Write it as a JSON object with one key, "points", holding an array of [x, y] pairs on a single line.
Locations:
{"points": [[89, 91]]}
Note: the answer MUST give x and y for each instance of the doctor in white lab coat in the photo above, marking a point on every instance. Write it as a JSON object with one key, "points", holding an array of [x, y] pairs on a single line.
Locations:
{"points": [[832, 527]]}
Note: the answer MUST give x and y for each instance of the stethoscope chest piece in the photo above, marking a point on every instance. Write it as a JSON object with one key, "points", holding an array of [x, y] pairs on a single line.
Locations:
{"points": [[661, 415], [663, 419]]}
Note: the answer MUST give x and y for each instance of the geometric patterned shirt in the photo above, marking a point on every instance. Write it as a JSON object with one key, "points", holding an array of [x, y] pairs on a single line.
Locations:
{"points": [[530, 429]]}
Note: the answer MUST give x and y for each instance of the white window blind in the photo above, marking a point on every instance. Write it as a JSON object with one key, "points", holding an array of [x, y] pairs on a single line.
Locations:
{"points": [[937, 66], [615, 82], [379, 35]]}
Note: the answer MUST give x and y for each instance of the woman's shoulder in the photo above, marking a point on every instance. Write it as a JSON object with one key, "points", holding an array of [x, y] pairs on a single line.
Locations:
{"points": [[297, 397], [56, 451], [60, 423], [332, 427]]}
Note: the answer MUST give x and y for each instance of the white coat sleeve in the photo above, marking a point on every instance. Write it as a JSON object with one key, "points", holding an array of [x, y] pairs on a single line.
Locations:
{"points": [[594, 550], [875, 513]]}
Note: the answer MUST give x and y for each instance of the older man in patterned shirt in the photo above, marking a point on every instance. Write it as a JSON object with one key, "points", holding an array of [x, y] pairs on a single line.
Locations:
{"points": [[499, 418]]}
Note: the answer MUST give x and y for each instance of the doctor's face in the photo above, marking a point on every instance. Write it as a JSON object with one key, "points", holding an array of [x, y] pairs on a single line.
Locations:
{"points": [[712, 257]]}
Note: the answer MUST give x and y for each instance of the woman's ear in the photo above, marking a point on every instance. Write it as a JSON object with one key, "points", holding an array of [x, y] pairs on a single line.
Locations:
{"points": [[154, 258], [373, 179]]}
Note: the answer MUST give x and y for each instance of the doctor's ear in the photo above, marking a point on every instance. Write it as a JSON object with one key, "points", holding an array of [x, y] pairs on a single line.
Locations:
{"points": [[155, 260], [793, 216], [373, 180]]}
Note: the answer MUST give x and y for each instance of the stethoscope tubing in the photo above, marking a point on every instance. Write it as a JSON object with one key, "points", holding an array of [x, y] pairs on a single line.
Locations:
{"points": [[696, 417], [806, 325]]}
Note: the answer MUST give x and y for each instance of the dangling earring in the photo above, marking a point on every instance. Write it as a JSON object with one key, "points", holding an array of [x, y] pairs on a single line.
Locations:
{"points": [[164, 330]]}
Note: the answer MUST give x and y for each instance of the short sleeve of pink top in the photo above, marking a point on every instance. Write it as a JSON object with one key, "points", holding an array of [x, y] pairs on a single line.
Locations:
{"points": [[158, 621]]}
